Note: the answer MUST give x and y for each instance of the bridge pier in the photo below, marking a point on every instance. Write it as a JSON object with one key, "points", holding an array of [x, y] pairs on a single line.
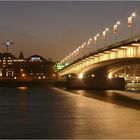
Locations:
{"points": [[96, 83]]}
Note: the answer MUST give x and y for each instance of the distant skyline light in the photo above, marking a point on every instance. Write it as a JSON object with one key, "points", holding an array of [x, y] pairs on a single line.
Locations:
{"points": [[54, 29]]}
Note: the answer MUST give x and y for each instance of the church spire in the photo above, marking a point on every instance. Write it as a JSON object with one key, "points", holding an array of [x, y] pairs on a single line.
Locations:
{"points": [[21, 56]]}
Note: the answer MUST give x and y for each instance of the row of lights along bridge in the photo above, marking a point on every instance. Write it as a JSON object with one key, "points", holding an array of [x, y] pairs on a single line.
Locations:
{"points": [[94, 39]]}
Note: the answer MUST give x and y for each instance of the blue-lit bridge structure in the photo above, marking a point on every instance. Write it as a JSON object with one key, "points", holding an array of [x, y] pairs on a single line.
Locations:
{"points": [[105, 62]]}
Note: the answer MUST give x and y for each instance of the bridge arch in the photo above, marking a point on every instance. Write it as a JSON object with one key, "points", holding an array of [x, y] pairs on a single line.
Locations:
{"points": [[107, 60], [108, 68]]}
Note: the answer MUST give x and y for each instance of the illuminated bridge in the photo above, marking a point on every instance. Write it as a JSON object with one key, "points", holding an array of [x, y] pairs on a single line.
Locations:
{"points": [[105, 62], [108, 60]]}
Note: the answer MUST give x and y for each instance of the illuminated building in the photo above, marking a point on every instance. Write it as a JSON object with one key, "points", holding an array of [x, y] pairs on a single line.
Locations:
{"points": [[32, 68]]}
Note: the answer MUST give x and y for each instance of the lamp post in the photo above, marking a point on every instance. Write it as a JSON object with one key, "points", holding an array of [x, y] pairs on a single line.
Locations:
{"points": [[104, 35], [89, 41], [82, 48], [95, 38], [130, 23], [78, 51], [89, 44], [115, 29]]}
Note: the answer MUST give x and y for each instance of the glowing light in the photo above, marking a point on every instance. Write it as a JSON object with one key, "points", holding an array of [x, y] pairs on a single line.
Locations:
{"points": [[106, 29], [118, 22], [115, 49], [88, 42], [84, 43], [95, 38], [110, 76], [92, 75], [124, 47], [115, 28], [133, 14], [103, 34], [135, 44], [82, 46], [80, 76], [7, 43], [35, 58], [23, 75], [90, 39], [129, 22], [22, 88]]}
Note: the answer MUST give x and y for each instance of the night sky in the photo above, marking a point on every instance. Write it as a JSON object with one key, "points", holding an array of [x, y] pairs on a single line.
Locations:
{"points": [[54, 29]]}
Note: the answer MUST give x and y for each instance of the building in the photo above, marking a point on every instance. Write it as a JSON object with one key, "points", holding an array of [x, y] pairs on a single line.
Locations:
{"points": [[32, 68]]}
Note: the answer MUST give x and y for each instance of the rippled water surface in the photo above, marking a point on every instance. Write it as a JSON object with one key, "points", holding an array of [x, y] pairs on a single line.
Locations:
{"points": [[55, 113]]}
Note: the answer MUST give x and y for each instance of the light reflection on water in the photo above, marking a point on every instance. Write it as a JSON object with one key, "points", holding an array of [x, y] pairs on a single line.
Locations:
{"points": [[22, 107], [100, 116], [22, 88], [55, 113], [123, 98]]}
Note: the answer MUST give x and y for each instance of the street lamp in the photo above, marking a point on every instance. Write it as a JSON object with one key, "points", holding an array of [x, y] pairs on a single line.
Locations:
{"points": [[89, 41], [77, 51], [115, 29], [82, 47], [104, 34], [130, 23], [95, 39]]}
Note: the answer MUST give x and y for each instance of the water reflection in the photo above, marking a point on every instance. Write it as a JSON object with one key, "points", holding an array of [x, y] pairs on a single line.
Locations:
{"points": [[48, 113], [111, 96], [100, 119], [22, 88], [22, 107]]}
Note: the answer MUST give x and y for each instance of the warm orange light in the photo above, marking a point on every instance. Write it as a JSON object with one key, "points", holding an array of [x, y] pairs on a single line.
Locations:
{"points": [[22, 88], [23, 75], [81, 76], [129, 22]]}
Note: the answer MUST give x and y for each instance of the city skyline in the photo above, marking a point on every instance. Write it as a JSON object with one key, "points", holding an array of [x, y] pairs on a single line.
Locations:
{"points": [[55, 29]]}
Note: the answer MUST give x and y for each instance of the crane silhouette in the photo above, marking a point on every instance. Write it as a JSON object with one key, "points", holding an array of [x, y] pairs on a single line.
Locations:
{"points": [[7, 44]]}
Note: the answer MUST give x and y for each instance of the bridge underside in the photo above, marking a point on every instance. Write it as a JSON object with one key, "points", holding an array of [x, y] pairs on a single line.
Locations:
{"points": [[101, 71], [110, 67]]}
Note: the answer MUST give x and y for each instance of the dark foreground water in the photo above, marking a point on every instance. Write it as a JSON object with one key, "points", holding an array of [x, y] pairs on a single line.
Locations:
{"points": [[54, 113]]}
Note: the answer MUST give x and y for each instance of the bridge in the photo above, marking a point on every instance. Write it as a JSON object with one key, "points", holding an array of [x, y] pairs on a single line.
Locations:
{"points": [[105, 62]]}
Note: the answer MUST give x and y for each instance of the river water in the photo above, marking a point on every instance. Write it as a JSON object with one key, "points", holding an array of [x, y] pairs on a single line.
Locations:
{"points": [[56, 113]]}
